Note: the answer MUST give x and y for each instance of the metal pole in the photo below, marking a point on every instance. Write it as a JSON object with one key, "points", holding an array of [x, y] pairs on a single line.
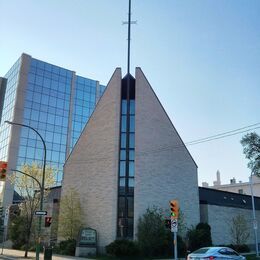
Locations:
{"points": [[42, 185], [4, 238], [14, 170], [175, 245], [254, 217]]}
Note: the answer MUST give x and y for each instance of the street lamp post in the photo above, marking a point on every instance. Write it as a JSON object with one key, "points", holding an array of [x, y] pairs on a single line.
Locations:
{"points": [[254, 217], [41, 186]]}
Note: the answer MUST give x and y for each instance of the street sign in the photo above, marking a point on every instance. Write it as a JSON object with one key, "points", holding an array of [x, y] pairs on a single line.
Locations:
{"points": [[174, 225], [40, 213]]}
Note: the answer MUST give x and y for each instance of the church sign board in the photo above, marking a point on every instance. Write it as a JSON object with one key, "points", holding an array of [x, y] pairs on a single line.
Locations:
{"points": [[88, 236], [86, 243]]}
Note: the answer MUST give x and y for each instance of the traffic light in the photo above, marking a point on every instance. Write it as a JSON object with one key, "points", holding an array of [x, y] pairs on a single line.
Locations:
{"points": [[174, 208], [3, 169], [48, 221]]}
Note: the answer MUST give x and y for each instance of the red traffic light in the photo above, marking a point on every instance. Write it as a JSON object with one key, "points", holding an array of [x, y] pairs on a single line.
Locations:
{"points": [[48, 221]]}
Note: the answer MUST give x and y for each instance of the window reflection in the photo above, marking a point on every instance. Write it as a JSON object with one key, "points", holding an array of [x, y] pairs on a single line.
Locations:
{"points": [[122, 168], [131, 169], [123, 123], [124, 107], [131, 140]]}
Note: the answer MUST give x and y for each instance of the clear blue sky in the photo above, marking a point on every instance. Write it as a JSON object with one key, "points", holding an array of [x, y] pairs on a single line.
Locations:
{"points": [[202, 58]]}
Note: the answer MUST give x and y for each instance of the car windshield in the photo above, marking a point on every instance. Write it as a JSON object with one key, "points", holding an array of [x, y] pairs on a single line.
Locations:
{"points": [[201, 250]]}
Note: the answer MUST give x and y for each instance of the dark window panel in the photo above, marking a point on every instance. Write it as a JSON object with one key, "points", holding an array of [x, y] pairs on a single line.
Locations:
{"points": [[132, 124], [132, 107], [131, 171], [122, 169], [122, 155], [131, 155], [123, 140], [130, 206], [121, 207], [124, 107], [123, 123], [131, 140], [130, 225]]}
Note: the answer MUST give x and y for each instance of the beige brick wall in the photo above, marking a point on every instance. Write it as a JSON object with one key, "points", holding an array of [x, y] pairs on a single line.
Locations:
{"points": [[164, 168], [92, 167]]}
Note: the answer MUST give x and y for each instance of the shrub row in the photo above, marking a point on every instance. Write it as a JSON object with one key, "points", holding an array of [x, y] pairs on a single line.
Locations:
{"points": [[123, 247]]}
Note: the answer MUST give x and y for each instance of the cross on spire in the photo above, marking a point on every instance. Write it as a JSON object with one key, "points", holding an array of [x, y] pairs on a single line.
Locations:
{"points": [[129, 22]]}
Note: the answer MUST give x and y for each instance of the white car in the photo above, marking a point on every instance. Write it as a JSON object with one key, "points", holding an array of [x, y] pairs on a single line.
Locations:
{"points": [[212, 253]]}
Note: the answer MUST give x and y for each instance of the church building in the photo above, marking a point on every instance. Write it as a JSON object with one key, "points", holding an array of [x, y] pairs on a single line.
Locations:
{"points": [[129, 157]]}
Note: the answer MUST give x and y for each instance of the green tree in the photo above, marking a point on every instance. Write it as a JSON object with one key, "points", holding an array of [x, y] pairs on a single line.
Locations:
{"points": [[17, 231], [152, 235], [251, 145], [239, 230], [29, 190], [199, 237], [70, 218]]}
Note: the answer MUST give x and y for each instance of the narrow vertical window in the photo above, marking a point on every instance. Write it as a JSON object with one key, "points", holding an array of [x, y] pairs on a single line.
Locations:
{"points": [[126, 174]]}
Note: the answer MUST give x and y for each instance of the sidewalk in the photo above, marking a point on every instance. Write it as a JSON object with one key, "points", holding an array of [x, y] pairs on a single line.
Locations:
{"points": [[17, 254]]}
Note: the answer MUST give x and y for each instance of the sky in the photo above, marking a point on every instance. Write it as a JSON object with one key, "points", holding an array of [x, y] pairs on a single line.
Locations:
{"points": [[202, 58]]}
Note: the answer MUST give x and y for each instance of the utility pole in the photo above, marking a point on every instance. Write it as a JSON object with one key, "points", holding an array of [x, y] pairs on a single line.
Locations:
{"points": [[254, 217]]}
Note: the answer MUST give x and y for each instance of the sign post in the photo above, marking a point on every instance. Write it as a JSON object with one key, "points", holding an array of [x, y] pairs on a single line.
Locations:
{"points": [[174, 230]]}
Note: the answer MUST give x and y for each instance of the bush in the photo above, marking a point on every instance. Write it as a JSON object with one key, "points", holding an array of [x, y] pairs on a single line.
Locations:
{"points": [[182, 249], [66, 247], [199, 237], [242, 248], [239, 248], [153, 237], [122, 247]]}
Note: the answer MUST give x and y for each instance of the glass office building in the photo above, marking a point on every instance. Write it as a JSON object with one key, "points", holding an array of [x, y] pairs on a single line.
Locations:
{"points": [[54, 101]]}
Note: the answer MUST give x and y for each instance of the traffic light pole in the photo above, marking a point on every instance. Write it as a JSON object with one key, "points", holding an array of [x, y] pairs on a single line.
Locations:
{"points": [[42, 185], [175, 245], [174, 206]]}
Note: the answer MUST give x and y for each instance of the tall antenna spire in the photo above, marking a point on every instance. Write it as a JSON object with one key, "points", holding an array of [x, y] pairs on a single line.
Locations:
{"points": [[129, 22]]}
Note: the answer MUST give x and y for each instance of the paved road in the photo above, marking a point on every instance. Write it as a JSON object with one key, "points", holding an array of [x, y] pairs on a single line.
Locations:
{"points": [[11, 254]]}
